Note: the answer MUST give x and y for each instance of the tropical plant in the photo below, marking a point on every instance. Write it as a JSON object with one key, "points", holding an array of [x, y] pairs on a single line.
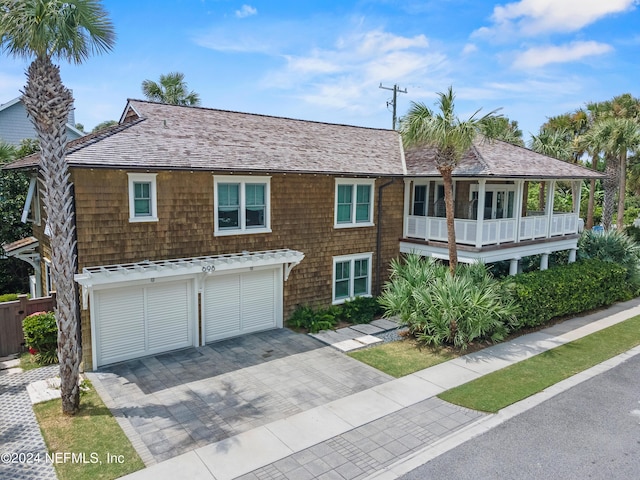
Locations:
{"points": [[450, 138], [45, 30], [171, 89], [103, 125], [40, 336], [442, 309], [612, 246], [501, 128]]}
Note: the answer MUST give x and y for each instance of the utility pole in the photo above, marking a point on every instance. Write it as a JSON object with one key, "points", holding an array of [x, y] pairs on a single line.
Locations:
{"points": [[393, 102]]}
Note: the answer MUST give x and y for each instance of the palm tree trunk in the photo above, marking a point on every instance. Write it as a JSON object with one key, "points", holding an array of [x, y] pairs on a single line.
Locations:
{"points": [[622, 191], [610, 184], [591, 204], [48, 103], [450, 213]]}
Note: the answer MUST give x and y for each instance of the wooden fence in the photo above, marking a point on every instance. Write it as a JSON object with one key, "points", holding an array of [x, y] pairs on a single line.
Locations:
{"points": [[11, 316]]}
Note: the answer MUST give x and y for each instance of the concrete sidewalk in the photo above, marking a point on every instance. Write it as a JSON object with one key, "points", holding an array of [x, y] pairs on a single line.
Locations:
{"points": [[386, 430]]}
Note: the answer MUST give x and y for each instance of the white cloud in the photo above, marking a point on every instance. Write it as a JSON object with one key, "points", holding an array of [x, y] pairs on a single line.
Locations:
{"points": [[469, 48], [532, 17], [541, 56], [246, 11]]}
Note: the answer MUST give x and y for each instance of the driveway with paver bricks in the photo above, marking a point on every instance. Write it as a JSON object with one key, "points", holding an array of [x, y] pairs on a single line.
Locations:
{"points": [[173, 403]]}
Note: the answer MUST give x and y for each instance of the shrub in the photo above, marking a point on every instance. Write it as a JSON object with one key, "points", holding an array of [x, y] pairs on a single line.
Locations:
{"points": [[314, 320], [633, 233], [614, 247], [566, 290], [41, 337], [8, 297], [360, 310], [441, 309]]}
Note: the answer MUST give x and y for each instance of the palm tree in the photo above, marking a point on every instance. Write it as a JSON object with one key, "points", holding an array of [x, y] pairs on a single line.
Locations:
{"points": [[501, 128], [68, 30], [553, 143], [450, 138], [171, 89]]}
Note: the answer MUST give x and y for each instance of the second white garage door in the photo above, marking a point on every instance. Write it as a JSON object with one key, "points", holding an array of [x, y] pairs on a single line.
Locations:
{"points": [[238, 303]]}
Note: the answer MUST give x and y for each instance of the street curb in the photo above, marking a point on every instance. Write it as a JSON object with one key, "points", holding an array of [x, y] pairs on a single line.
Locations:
{"points": [[477, 428]]}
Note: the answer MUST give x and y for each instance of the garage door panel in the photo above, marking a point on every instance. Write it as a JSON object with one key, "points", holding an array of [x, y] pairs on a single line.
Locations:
{"points": [[142, 320], [222, 307], [236, 304], [167, 317], [120, 310], [258, 301]]}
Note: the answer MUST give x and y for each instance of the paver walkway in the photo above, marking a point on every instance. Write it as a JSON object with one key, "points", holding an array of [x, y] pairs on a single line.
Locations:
{"points": [[19, 431], [356, 336]]}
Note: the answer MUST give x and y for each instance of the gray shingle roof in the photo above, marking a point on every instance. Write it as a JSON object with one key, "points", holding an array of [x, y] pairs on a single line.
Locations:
{"points": [[192, 138], [494, 158]]}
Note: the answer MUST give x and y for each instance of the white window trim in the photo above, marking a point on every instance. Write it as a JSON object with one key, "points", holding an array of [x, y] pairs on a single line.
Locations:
{"points": [[143, 178], [243, 181], [48, 280], [31, 210], [354, 182], [351, 258]]}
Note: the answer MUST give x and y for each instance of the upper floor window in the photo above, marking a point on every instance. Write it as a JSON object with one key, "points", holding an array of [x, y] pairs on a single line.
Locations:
{"points": [[143, 197], [241, 205], [354, 202], [31, 210]]}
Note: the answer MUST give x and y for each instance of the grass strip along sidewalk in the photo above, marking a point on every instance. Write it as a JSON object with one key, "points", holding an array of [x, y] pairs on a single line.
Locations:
{"points": [[502, 388], [102, 450]]}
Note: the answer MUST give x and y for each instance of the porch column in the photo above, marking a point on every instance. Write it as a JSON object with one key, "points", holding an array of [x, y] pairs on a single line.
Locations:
{"points": [[551, 186], [407, 207], [544, 261], [577, 188], [517, 208], [480, 211], [513, 266], [572, 255]]}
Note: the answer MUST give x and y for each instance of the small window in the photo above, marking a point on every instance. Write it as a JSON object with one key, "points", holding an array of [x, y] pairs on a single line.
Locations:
{"points": [[142, 197], [241, 205], [31, 210], [48, 282], [351, 277], [354, 203], [420, 200]]}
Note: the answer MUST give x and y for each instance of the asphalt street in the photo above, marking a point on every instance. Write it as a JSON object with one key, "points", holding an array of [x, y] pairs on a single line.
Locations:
{"points": [[591, 431]]}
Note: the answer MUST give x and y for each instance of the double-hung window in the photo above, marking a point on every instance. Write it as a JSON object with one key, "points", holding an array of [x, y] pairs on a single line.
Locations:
{"points": [[143, 205], [354, 203], [241, 205], [351, 276]]}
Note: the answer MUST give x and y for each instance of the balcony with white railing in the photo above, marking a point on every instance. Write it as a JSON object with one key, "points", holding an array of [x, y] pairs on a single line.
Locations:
{"points": [[480, 233]]}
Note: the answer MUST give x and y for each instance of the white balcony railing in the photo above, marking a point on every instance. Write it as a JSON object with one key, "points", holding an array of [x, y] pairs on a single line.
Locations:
{"points": [[494, 232]]}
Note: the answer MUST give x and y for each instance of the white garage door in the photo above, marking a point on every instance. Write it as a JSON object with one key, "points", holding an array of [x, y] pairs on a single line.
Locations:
{"points": [[235, 304], [136, 321]]}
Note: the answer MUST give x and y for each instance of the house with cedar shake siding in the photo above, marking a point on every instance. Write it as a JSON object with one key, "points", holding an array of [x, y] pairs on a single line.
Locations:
{"points": [[195, 225]]}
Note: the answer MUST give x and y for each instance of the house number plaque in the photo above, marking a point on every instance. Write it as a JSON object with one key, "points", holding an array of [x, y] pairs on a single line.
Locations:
{"points": [[209, 269]]}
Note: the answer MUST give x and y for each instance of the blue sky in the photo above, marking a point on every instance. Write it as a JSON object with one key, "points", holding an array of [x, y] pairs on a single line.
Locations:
{"points": [[324, 60]]}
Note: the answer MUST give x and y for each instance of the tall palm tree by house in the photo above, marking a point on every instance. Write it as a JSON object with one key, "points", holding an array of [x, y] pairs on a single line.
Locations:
{"points": [[171, 89], [553, 143], [450, 138], [501, 128], [68, 30]]}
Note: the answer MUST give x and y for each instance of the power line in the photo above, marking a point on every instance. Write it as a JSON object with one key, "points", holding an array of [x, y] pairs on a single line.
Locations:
{"points": [[396, 89]]}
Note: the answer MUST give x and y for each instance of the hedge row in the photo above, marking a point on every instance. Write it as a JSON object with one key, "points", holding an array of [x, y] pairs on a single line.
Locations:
{"points": [[570, 289]]}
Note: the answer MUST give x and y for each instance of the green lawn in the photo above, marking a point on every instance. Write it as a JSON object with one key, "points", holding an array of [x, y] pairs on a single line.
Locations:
{"points": [[497, 390], [93, 431], [402, 357]]}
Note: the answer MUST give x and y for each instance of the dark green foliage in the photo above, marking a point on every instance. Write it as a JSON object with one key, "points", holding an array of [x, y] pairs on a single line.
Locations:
{"points": [[360, 310], [442, 309], [312, 319], [633, 233], [614, 247], [574, 288], [41, 336]]}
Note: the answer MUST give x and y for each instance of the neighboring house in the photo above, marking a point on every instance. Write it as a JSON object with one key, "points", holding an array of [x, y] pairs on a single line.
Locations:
{"points": [[16, 126], [195, 225]]}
